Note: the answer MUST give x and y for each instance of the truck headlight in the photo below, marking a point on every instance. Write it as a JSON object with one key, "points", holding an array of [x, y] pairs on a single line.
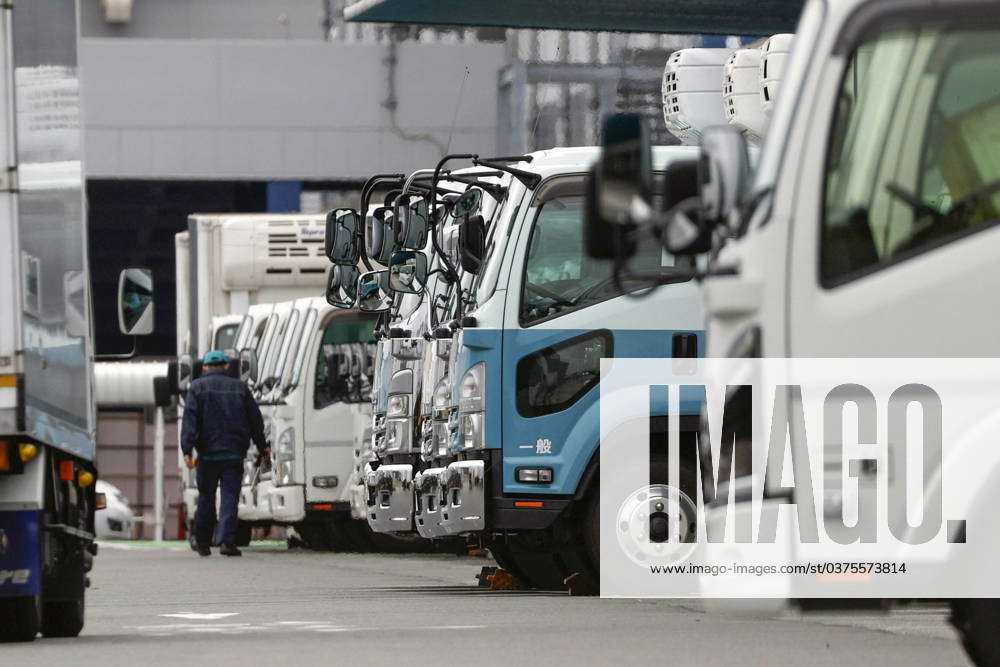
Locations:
{"points": [[442, 395], [283, 473], [427, 439], [284, 458], [472, 430], [286, 445], [441, 437], [398, 406], [248, 468], [397, 435], [472, 389]]}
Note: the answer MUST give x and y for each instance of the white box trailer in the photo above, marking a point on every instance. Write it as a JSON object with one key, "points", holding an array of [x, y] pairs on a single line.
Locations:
{"points": [[228, 262]]}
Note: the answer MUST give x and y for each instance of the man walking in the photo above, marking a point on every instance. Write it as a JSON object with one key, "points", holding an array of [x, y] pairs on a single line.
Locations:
{"points": [[220, 419]]}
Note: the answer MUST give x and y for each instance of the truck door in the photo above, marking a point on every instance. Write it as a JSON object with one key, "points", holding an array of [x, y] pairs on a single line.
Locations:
{"points": [[563, 314], [895, 234], [329, 434], [895, 237]]}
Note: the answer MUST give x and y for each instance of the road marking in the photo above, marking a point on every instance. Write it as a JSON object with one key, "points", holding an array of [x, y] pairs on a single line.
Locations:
{"points": [[191, 616]]}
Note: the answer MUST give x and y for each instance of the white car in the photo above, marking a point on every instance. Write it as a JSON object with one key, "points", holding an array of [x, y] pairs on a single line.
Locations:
{"points": [[114, 522]]}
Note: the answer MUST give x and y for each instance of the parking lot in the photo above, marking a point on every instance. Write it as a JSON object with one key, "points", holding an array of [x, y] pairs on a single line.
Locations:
{"points": [[301, 607]]}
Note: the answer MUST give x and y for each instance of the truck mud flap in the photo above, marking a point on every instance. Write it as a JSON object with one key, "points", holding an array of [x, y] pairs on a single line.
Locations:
{"points": [[20, 553]]}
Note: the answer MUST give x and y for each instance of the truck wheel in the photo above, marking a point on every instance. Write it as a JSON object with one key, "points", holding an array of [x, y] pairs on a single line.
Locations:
{"points": [[62, 618], [400, 544], [20, 619], [502, 555], [314, 536], [244, 533], [591, 526], [360, 534], [541, 570], [340, 536], [977, 620]]}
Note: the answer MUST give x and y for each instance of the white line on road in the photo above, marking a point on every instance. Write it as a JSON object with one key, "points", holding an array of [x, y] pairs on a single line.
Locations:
{"points": [[192, 616]]}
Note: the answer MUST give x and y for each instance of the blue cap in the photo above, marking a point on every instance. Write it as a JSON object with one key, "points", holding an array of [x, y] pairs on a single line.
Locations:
{"points": [[215, 357]]}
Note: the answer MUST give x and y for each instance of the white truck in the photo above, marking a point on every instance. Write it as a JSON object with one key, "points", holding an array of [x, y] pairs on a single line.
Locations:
{"points": [[882, 157], [47, 414], [227, 263], [315, 391]]}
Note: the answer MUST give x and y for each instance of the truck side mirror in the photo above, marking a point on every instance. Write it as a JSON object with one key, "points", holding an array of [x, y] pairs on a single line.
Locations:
{"points": [[379, 235], [248, 365], [185, 372], [686, 233], [411, 223], [624, 172], [408, 271], [619, 188], [723, 174], [342, 285], [472, 243], [341, 239], [373, 292], [135, 302]]}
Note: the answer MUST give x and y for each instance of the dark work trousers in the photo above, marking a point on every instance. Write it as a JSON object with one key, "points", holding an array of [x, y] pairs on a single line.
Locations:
{"points": [[212, 474]]}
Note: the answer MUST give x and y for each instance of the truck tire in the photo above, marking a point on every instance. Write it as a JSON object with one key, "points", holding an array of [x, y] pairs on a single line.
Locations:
{"points": [[977, 620], [400, 544], [543, 571], [62, 618], [244, 534], [20, 618], [360, 534], [591, 525]]}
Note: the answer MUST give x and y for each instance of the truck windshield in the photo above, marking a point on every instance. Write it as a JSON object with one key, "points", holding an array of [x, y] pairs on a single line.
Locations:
{"points": [[225, 337], [264, 342], [272, 338], [341, 367], [288, 343], [499, 229], [307, 329], [560, 276]]}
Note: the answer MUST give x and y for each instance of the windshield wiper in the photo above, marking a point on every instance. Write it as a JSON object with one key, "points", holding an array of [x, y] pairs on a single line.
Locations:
{"points": [[548, 294], [956, 212]]}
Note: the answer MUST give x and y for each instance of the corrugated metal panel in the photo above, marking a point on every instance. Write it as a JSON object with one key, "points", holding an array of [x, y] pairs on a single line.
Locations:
{"points": [[126, 384]]}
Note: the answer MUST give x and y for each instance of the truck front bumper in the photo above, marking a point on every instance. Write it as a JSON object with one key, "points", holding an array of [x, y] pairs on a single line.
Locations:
{"points": [[247, 509], [358, 497], [390, 497], [427, 488], [463, 485], [288, 503]]}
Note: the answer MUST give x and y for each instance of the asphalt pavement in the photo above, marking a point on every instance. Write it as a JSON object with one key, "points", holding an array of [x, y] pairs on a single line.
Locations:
{"points": [[163, 605]]}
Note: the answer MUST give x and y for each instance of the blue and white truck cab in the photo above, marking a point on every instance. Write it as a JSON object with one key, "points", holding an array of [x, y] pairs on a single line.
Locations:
{"points": [[525, 365]]}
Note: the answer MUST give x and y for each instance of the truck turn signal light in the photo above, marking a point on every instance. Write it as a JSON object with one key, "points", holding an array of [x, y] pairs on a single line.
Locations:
{"points": [[27, 451], [66, 471]]}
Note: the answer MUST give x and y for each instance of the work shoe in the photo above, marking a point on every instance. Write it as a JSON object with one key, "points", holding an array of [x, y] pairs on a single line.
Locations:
{"points": [[230, 550], [203, 551]]}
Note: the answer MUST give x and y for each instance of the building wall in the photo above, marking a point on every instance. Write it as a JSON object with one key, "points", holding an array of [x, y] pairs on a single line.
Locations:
{"points": [[125, 459], [209, 19], [274, 110]]}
